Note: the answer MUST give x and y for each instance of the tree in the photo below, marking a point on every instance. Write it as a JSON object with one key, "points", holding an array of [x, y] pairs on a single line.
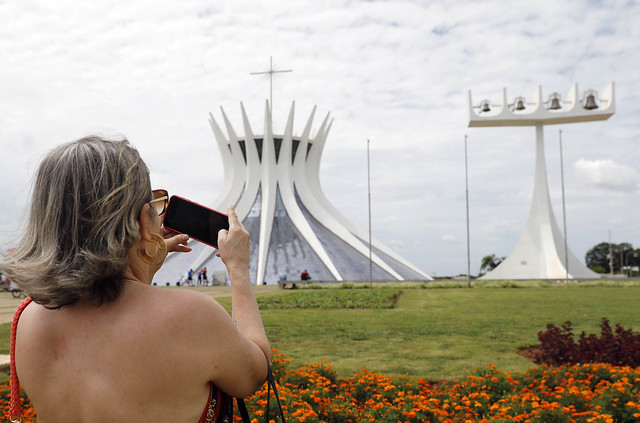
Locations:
{"points": [[490, 262], [631, 262], [597, 258]]}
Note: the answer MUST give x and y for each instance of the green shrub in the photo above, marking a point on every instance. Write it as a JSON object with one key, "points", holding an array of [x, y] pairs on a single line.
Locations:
{"points": [[331, 298]]}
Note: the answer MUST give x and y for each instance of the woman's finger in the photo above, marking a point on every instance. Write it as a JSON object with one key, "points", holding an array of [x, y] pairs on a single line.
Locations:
{"points": [[178, 243], [233, 217]]}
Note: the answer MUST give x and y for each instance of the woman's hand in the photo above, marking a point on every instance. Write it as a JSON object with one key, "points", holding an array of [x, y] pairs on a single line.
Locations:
{"points": [[247, 356], [234, 244], [175, 242]]}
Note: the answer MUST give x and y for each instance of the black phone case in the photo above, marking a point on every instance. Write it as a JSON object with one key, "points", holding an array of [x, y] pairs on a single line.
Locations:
{"points": [[199, 222]]}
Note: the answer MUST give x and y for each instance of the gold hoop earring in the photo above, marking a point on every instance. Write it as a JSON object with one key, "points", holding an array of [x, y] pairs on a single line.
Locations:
{"points": [[154, 252]]}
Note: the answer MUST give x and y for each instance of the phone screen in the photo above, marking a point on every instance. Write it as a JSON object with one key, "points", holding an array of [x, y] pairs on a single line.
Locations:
{"points": [[199, 222]]}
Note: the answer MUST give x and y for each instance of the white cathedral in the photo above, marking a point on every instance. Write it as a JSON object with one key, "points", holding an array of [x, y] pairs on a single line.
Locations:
{"points": [[273, 181]]}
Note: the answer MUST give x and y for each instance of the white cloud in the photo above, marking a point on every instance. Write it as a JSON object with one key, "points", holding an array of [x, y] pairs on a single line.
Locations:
{"points": [[396, 72], [608, 174], [449, 239]]}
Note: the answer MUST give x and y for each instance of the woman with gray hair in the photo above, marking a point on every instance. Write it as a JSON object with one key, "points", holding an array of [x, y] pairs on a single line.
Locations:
{"points": [[98, 342]]}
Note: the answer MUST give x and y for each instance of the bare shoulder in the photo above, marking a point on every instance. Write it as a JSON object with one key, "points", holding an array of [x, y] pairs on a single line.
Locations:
{"points": [[186, 307], [180, 323]]}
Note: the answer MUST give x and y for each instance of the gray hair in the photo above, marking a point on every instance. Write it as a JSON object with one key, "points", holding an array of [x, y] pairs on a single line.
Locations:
{"points": [[83, 221]]}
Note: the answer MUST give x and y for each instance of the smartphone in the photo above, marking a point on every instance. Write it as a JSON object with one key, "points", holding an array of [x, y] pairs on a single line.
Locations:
{"points": [[195, 220]]}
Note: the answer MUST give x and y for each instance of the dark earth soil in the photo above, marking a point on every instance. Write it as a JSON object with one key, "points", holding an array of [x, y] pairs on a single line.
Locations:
{"points": [[531, 353]]}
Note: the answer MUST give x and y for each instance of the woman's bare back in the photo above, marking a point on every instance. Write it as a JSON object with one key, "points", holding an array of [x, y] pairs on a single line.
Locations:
{"points": [[128, 360]]}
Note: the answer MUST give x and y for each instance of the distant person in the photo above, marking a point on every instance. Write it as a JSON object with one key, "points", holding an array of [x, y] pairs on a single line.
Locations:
{"points": [[305, 275], [98, 342], [190, 277]]}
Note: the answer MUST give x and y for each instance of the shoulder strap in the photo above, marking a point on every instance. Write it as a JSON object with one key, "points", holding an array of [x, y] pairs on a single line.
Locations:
{"points": [[15, 412], [271, 382], [243, 410]]}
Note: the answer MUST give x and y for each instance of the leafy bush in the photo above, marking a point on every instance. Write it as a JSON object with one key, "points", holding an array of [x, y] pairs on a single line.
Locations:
{"points": [[620, 347]]}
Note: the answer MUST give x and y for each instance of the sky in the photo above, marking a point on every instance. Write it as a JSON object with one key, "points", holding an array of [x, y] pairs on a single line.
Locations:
{"points": [[397, 73]]}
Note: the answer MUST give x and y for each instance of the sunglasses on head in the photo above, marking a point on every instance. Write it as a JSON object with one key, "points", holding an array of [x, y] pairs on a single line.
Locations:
{"points": [[160, 200]]}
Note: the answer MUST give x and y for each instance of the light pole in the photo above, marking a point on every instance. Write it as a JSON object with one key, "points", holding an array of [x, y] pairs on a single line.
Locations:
{"points": [[539, 253], [466, 180], [564, 215], [369, 200], [610, 255]]}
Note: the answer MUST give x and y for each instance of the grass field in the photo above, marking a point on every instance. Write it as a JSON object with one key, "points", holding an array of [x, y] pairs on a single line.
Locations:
{"points": [[439, 334], [444, 333]]}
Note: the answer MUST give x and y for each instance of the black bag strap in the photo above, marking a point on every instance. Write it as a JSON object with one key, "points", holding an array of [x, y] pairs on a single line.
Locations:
{"points": [[271, 383], [243, 410]]}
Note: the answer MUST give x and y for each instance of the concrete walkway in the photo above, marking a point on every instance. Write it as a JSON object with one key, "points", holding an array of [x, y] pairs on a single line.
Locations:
{"points": [[8, 306]]}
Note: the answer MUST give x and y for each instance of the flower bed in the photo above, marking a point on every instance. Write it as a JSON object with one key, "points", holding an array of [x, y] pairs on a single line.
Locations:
{"points": [[598, 393]]}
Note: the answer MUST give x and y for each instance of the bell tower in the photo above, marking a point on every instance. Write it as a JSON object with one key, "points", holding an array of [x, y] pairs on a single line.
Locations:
{"points": [[541, 252]]}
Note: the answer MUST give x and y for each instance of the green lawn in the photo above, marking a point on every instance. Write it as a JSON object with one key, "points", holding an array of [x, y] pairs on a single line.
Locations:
{"points": [[439, 333], [444, 333]]}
